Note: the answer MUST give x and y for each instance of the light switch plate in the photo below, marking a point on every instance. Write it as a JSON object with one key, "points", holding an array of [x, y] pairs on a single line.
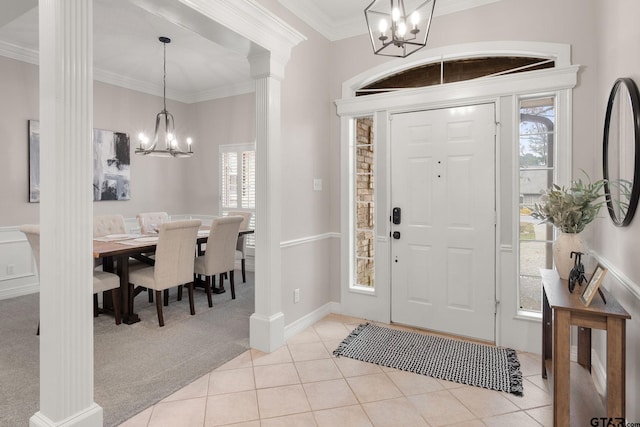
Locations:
{"points": [[317, 184]]}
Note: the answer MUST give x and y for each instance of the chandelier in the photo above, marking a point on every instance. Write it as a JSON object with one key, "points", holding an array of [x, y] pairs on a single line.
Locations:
{"points": [[165, 127], [396, 30]]}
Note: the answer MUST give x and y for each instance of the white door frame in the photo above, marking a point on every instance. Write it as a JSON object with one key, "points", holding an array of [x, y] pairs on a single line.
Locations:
{"points": [[504, 92]]}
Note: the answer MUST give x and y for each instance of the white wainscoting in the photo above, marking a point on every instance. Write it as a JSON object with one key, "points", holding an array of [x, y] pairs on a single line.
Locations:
{"points": [[627, 292], [18, 275]]}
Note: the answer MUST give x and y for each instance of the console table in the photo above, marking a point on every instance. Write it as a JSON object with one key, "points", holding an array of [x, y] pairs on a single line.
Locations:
{"points": [[562, 309]]}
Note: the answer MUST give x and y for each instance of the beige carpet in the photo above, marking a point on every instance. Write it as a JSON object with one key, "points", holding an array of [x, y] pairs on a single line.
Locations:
{"points": [[135, 365]]}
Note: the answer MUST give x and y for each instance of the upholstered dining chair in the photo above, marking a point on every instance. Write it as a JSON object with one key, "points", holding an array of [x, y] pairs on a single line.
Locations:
{"points": [[173, 265], [102, 281], [219, 257], [104, 225], [150, 221], [241, 245]]}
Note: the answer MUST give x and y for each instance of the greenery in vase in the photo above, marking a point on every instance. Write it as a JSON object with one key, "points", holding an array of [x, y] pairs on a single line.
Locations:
{"points": [[570, 209]]}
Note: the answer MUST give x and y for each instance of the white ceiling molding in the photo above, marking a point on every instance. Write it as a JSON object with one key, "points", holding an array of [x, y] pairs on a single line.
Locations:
{"points": [[249, 29], [18, 53], [318, 14], [222, 92], [252, 21], [30, 56], [446, 7]]}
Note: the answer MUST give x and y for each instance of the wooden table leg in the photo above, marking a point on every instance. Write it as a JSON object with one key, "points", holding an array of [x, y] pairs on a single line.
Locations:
{"points": [[561, 367], [128, 316], [108, 266], [616, 332]]}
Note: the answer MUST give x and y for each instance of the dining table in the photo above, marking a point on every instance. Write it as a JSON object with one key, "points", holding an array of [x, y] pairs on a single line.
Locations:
{"points": [[115, 251]]}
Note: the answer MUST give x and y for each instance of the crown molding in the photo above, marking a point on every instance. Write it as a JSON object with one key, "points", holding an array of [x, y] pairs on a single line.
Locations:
{"points": [[19, 53], [30, 56], [222, 92], [314, 16]]}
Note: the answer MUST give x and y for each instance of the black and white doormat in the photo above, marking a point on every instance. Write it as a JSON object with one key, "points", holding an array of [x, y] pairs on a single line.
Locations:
{"points": [[452, 360]]}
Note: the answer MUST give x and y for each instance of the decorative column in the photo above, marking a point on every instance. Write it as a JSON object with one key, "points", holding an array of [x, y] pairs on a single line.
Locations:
{"points": [[267, 323], [66, 212]]}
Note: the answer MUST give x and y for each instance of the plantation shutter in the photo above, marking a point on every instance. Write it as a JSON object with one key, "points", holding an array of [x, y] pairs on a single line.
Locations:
{"points": [[248, 179], [238, 182], [229, 180]]}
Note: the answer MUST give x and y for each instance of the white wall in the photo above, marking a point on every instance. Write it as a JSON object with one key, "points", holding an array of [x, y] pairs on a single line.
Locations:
{"points": [[157, 183], [218, 122], [19, 95], [115, 109], [308, 242], [618, 34]]}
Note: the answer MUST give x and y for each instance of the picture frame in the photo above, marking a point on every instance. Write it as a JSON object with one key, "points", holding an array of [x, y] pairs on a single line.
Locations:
{"points": [[593, 285], [111, 164], [34, 161]]}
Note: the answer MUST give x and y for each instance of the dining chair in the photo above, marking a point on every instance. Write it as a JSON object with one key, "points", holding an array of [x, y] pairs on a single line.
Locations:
{"points": [[104, 225], [150, 221], [173, 265], [102, 281], [220, 255], [241, 245]]}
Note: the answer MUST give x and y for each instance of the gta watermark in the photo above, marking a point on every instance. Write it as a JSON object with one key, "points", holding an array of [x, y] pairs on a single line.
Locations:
{"points": [[611, 422]]}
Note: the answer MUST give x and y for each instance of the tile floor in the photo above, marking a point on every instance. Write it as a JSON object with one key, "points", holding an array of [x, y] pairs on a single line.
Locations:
{"points": [[302, 384]]}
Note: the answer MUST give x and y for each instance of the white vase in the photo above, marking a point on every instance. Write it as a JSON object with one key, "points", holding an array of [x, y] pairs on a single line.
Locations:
{"points": [[562, 248]]}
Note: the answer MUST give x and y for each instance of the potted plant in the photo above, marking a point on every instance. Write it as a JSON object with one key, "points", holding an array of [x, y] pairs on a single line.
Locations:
{"points": [[569, 209]]}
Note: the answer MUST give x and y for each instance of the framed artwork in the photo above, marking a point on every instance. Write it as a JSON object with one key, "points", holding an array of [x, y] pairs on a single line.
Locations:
{"points": [[111, 164], [34, 161], [592, 287]]}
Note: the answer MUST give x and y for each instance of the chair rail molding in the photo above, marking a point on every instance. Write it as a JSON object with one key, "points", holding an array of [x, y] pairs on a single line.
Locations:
{"points": [[309, 239]]}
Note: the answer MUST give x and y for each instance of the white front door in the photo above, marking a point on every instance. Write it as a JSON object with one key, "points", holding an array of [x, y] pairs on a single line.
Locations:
{"points": [[443, 181]]}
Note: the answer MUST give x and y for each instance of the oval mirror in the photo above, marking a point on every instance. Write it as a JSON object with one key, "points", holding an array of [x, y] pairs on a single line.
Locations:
{"points": [[621, 151]]}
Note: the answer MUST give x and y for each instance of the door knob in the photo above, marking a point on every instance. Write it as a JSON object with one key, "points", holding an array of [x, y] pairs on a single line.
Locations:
{"points": [[396, 235]]}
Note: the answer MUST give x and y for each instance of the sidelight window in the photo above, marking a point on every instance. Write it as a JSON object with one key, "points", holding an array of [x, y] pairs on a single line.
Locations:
{"points": [[364, 197], [537, 172]]}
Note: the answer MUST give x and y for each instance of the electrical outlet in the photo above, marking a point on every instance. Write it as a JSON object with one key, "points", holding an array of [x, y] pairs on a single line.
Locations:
{"points": [[11, 269], [296, 295]]}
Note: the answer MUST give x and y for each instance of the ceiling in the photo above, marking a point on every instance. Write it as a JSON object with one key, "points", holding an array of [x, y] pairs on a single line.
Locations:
{"points": [[127, 52]]}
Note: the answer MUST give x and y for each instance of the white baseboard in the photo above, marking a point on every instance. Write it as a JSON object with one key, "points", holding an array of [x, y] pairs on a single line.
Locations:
{"points": [[20, 289], [308, 320], [266, 332]]}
